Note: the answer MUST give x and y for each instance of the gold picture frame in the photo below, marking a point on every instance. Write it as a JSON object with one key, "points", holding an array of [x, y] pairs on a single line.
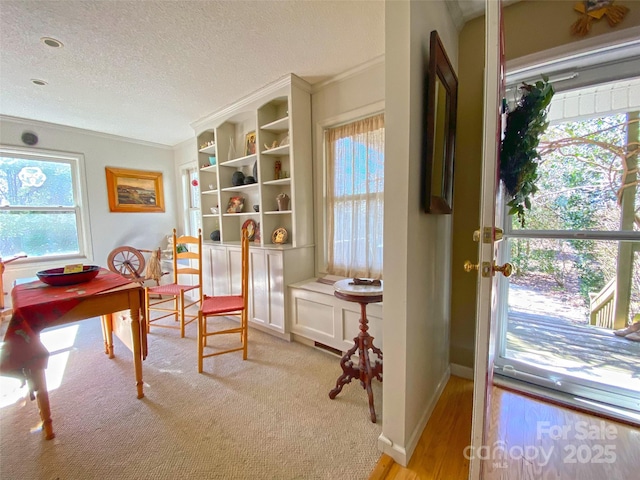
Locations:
{"points": [[134, 191], [250, 143]]}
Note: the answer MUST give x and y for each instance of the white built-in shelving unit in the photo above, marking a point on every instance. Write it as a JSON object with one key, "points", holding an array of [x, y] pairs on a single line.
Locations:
{"points": [[280, 116]]}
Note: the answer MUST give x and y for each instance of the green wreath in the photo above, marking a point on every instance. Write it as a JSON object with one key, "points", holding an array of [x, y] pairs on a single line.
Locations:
{"points": [[518, 154]]}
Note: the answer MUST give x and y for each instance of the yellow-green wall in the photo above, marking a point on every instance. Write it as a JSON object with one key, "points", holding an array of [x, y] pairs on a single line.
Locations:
{"points": [[530, 27]]}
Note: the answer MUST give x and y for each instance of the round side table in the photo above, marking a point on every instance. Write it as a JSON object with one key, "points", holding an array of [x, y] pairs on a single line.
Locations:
{"points": [[363, 294]]}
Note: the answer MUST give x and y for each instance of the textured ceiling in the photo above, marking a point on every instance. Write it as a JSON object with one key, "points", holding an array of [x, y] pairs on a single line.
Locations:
{"points": [[147, 69]]}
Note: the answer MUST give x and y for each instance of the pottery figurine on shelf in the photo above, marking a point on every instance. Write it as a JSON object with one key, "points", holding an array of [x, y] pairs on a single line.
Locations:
{"points": [[283, 202], [273, 145], [276, 170]]}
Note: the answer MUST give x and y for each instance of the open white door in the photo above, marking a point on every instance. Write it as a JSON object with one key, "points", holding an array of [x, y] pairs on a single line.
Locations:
{"points": [[490, 210]]}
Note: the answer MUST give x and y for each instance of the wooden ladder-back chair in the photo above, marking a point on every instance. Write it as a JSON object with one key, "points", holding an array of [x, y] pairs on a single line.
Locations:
{"points": [[225, 305], [185, 263]]}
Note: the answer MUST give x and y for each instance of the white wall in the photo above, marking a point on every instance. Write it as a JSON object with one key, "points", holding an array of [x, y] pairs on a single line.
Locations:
{"points": [[109, 230], [417, 256]]}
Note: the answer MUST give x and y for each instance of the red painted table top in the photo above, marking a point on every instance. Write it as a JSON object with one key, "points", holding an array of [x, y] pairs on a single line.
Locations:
{"points": [[37, 306]]}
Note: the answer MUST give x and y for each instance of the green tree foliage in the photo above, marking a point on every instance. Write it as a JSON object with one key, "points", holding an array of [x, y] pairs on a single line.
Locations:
{"points": [[579, 174], [36, 230]]}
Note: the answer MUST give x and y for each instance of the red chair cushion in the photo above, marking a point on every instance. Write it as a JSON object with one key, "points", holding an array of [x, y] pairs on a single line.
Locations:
{"points": [[222, 304]]}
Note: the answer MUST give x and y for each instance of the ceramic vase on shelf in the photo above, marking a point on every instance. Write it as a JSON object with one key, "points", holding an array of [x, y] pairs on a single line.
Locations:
{"points": [[232, 150], [283, 202]]}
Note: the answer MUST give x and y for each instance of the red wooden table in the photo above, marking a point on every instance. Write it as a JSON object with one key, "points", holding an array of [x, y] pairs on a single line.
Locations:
{"points": [[37, 306]]}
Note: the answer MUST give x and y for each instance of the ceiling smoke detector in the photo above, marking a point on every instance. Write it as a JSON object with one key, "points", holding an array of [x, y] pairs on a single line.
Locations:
{"points": [[51, 42]]}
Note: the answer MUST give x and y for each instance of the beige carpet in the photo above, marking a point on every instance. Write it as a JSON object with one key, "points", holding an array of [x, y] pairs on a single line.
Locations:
{"points": [[269, 417]]}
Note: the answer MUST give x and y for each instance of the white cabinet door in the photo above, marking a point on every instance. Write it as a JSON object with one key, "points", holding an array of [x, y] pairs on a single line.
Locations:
{"points": [[207, 271], [234, 264], [275, 279], [259, 288], [219, 270]]}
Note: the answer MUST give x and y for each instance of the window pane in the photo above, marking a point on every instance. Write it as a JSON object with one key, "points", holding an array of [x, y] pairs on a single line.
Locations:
{"points": [[194, 189], [38, 234], [355, 197], [584, 165], [562, 300], [569, 274], [34, 183]]}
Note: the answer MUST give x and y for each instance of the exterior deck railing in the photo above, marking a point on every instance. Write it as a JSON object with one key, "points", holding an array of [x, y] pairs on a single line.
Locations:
{"points": [[601, 306]]}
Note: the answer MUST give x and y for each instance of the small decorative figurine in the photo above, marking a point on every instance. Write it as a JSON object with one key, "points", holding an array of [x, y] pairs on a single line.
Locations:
{"points": [[277, 167]]}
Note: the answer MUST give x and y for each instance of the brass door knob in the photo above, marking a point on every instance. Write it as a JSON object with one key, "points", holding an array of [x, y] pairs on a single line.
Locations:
{"points": [[468, 266], [506, 269]]}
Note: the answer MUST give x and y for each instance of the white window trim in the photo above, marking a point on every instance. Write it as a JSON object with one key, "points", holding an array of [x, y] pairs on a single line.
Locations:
{"points": [[320, 210], [79, 183]]}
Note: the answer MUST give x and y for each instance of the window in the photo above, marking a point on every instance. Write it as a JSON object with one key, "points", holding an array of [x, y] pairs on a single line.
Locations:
{"points": [[355, 198], [192, 201], [41, 205]]}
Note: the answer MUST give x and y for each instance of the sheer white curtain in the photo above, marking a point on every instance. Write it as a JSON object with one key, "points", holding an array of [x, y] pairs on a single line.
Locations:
{"points": [[355, 198]]}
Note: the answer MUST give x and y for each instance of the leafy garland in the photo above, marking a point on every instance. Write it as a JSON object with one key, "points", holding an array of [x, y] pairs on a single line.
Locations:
{"points": [[518, 154]]}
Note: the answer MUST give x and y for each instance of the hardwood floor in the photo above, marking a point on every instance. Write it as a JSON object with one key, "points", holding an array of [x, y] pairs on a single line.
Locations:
{"points": [[439, 451], [528, 439]]}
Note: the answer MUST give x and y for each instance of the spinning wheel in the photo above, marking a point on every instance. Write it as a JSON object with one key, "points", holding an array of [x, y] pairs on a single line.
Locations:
{"points": [[128, 262]]}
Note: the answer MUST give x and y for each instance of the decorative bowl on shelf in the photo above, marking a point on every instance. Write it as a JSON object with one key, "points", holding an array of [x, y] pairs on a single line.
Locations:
{"points": [[56, 276]]}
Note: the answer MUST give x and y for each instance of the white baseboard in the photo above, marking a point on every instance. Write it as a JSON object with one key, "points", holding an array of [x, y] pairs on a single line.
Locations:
{"points": [[461, 371], [402, 455]]}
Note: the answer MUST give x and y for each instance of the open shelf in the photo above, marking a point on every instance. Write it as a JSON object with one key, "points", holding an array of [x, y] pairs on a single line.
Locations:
{"points": [[240, 188], [240, 162], [280, 125], [281, 181], [278, 151], [209, 149], [277, 212]]}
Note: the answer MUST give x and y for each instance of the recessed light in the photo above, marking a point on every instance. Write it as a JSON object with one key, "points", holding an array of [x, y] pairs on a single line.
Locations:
{"points": [[35, 81], [51, 42]]}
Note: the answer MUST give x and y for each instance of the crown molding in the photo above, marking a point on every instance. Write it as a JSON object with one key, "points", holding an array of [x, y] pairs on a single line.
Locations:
{"points": [[316, 87], [65, 128]]}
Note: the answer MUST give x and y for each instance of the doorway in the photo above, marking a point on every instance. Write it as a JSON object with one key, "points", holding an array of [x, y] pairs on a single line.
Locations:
{"points": [[576, 275]]}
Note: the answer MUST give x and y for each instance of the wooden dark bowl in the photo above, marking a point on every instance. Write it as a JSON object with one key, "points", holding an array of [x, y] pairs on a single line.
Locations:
{"points": [[56, 277]]}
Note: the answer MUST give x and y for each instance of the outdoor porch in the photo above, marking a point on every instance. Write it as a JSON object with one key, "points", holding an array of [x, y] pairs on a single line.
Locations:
{"points": [[560, 344]]}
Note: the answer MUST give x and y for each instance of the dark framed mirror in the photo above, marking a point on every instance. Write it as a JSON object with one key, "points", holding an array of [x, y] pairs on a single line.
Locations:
{"points": [[438, 145]]}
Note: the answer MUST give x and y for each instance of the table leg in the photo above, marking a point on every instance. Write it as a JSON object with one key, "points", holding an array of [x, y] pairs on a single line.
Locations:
{"points": [[365, 372], [137, 342], [39, 387], [349, 371], [107, 334]]}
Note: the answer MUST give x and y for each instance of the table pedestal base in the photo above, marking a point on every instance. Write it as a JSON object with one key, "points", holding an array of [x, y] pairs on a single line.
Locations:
{"points": [[364, 371]]}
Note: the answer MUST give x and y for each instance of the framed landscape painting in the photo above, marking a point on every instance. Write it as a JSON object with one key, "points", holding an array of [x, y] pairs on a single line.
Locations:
{"points": [[134, 190]]}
